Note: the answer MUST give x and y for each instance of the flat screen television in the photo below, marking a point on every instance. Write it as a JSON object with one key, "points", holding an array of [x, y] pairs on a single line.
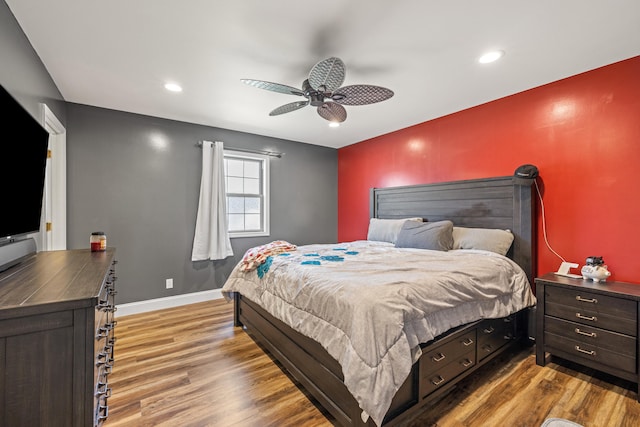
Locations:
{"points": [[23, 157]]}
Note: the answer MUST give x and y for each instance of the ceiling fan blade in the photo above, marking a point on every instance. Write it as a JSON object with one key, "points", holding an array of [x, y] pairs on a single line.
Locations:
{"points": [[287, 108], [332, 112], [275, 87], [361, 94], [327, 75]]}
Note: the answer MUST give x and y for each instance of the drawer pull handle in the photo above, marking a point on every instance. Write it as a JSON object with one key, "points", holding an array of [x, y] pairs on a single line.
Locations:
{"points": [[104, 357], [102, 413], [108, 364], [111, 325], [439, 380], [467, 362], [590, 318], [488, 330], [438, 358], [589, 352], [591, 300], [467, 342], [586, 334], [103, 390], [108, 307]]}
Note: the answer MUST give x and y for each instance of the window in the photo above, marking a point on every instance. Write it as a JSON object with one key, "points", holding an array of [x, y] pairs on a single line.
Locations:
{"points": [[246, 178]]}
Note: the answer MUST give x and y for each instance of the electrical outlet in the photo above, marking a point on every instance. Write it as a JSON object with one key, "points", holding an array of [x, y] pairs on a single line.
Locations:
{"points": [[169, 283]]}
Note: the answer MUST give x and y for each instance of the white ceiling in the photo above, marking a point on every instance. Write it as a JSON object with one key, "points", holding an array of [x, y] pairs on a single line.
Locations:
{"points": [[118, 54]]}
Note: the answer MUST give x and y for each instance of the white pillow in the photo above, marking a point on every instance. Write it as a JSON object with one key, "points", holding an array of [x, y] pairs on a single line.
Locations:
{"points": [[386, 230], [486, 239]]}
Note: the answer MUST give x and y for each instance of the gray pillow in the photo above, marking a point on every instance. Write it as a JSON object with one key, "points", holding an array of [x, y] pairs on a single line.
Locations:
{"points": [[386, 230], [486, 239], [437, 236]]}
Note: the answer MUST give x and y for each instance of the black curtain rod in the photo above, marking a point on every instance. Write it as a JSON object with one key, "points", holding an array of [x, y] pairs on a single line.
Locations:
{"points": [[246, 150]]}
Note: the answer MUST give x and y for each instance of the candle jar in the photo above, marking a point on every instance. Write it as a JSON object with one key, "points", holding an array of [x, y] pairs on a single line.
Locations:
{"points": [[98, 241]]}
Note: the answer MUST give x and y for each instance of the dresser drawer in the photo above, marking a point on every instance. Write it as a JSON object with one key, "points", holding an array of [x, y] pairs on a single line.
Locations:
{"points": [[105, 324], [576, 350], [600, 338], [493, 334], [615, 314], [435, 359], [445, 373]]}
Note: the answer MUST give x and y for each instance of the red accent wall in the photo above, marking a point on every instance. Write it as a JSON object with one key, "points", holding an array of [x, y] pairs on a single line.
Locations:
{"points": [[583, 134]]}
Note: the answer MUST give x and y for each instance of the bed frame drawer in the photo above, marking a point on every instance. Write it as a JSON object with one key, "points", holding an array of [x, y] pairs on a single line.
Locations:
{"points": [[434, 360], [429, 382], [493, 334]]}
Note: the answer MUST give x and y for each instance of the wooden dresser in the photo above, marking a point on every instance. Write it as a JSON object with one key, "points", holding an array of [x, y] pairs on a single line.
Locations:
{"points": [[56, 338], [593, 324]]}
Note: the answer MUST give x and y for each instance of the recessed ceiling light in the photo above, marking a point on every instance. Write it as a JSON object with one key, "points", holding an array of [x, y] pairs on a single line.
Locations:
{"points": [[334, 124], [173, 87], [491, 56]]}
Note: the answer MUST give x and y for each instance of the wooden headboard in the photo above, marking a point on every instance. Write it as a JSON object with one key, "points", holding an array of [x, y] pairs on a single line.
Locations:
{"points": [[483, 203]]}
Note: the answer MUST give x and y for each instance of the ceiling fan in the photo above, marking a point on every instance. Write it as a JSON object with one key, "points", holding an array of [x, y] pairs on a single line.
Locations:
{"points": [[323, 90]]}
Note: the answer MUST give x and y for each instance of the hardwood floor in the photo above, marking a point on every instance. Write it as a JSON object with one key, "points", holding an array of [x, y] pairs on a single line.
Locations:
{"points": [[188, 366]]}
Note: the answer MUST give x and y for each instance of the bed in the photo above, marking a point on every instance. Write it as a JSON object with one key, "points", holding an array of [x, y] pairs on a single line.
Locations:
{"points": [[376, 329]]}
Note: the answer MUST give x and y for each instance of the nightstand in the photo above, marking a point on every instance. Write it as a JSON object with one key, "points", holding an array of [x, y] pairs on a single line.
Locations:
{"points": [[593, 324]]}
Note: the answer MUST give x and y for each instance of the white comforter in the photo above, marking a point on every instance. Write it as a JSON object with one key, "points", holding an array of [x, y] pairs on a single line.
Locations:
{"points": [[372, 309]]}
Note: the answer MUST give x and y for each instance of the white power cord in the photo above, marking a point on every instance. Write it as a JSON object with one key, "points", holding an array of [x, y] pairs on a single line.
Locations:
{"points": [[544, 225]]}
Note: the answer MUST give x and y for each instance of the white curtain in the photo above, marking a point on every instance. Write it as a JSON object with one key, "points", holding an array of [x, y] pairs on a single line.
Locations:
{"points": [[211, 240]]}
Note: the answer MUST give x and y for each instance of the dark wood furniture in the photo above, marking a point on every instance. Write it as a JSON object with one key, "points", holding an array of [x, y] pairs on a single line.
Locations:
{"points": [[56, 338], [589, 323], [486, 203]]}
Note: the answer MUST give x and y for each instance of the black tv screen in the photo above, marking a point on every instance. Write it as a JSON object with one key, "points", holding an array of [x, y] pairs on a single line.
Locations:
{"points": [[23, 157]]}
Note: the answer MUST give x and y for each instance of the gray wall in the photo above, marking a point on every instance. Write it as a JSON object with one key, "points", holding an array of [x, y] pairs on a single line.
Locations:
{"points": [[22, 73], [137, 178]]}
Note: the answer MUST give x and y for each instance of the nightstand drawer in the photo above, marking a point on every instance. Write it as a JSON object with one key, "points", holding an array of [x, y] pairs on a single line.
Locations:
{"points": [[574, 350], [620, 343], [593, 318], [585, 300]]}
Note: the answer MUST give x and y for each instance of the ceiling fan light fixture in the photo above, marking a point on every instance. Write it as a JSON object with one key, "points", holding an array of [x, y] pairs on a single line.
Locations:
{"points": [[491, 56], [173, 87], [334, 124]]}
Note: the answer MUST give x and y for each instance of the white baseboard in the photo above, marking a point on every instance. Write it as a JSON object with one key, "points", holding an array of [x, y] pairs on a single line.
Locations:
{"points": [[166, 302]]}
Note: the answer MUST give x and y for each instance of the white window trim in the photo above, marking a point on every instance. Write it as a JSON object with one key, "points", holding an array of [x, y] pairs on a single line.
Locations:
{"points": [[265, 191]]}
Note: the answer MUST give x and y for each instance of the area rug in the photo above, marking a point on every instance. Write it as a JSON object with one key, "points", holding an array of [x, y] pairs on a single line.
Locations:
{"points": [[559, 422]]}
